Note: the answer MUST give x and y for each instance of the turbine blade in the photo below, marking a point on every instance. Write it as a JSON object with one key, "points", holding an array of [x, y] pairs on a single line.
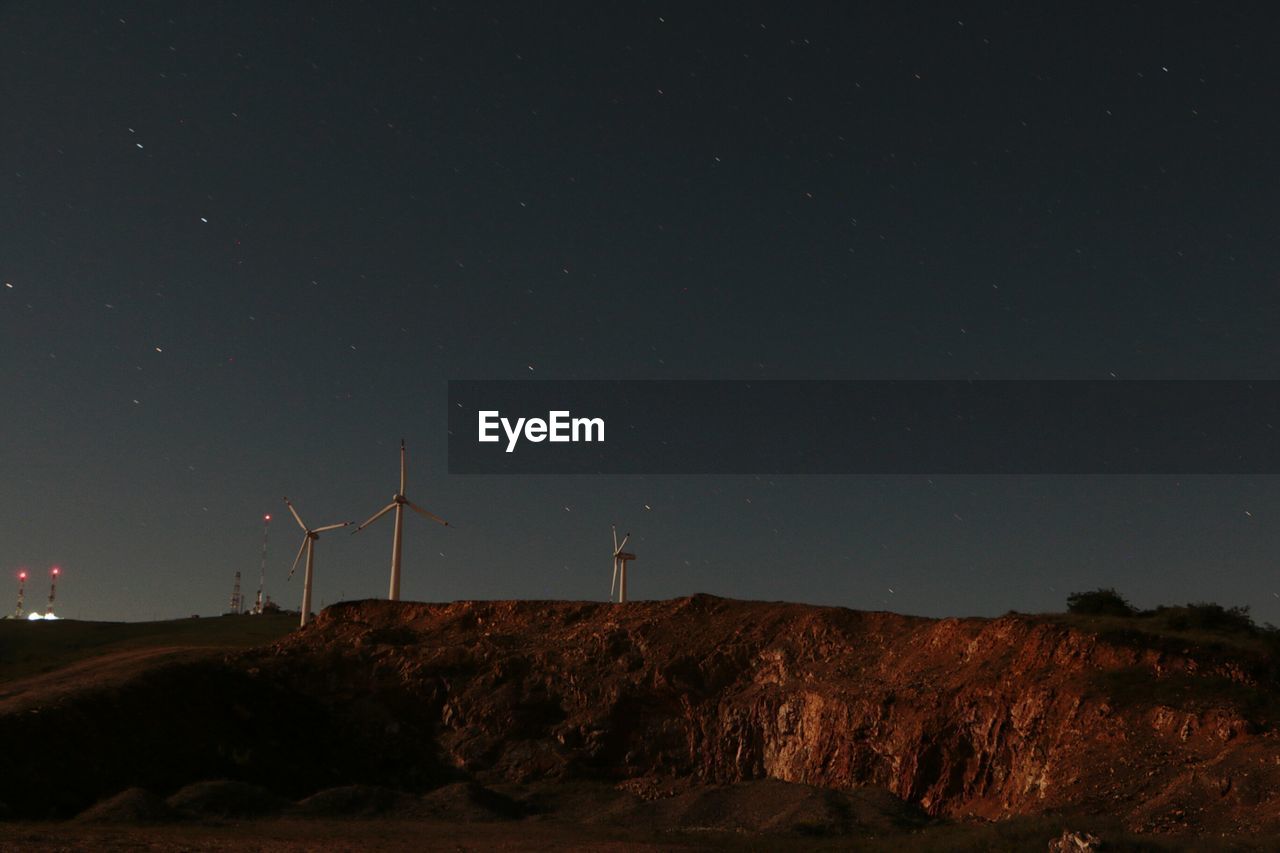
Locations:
{"points": [[377, 515], [331, 527], [294, 567], [431, 515], [402, 468], [624, 542], [613, 583], [615, 538], [296, 517]]}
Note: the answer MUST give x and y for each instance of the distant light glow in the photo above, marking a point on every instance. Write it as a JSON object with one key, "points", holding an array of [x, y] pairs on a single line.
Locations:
{"points": [[266, 517], [42, 617]]}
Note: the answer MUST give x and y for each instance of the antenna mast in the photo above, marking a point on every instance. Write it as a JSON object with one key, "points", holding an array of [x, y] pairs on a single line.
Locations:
{"points": [[53, 590], [236, 600], [262, 575], [22, 589]]}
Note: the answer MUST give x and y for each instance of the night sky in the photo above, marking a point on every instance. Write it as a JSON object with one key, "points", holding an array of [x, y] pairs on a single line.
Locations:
{"points": [[244, 246]]}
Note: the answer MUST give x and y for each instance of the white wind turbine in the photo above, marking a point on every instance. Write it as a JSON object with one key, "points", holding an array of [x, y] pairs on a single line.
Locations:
{"points": [[620, 559], [398, 503], [308, 544]]}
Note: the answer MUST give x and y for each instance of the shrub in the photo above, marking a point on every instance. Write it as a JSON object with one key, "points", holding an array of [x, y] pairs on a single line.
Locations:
{"points": [[1099, 602], [1206, 616]]}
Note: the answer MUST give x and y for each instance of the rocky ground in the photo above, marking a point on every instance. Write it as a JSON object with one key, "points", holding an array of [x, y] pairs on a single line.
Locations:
{"points": [[709, 718]]}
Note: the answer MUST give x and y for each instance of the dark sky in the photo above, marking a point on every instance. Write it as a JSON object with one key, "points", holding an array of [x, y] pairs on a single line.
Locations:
{"points": [[243, 247]]}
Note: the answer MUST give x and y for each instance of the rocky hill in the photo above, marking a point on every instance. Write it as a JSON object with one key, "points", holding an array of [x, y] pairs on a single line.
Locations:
{"points": [[986, 718]]}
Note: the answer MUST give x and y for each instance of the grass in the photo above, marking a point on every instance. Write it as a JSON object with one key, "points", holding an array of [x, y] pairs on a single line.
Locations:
{"points": [[32, 648]]}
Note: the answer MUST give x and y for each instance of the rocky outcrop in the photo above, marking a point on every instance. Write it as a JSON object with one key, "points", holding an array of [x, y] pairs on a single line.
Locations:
{"points": [[962, 717], [970, 717]]}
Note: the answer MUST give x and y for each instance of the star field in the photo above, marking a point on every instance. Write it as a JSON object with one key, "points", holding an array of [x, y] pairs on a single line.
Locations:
{"points": [[243, 248]]}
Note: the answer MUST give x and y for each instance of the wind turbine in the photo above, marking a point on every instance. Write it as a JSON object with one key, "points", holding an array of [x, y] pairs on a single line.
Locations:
{"points": [[398, 503], [620, 559], [308, 544]]}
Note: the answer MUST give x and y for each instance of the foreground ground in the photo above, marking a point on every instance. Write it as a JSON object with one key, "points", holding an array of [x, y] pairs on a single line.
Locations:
{"points": [[289, 835], [1014, 836]]}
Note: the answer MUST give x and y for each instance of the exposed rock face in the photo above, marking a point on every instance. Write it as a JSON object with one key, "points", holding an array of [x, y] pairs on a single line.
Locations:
{"points": [[1074, 842], [963, 717]]}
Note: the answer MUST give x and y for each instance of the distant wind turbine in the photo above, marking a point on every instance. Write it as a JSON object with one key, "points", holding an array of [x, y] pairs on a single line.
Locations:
{"points": [[620, 559], [398, 503], [309, 545]]}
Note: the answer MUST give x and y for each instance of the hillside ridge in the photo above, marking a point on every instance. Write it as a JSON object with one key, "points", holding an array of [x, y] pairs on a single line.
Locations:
{"points": [[963, 717]]}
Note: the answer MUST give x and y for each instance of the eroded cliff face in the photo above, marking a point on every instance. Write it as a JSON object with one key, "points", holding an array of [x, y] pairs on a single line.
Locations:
{"points": [[963, 717], [988, 718]]}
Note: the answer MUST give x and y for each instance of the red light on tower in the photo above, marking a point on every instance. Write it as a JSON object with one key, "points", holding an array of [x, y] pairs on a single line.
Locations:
{"points": [[56, 570], [267, 517], [22, 575]]}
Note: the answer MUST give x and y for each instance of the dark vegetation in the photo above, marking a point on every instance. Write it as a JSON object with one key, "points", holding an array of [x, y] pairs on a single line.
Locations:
{"points": [[1224, 633], [1202, 616], [1100, 602], [1203, 624]]}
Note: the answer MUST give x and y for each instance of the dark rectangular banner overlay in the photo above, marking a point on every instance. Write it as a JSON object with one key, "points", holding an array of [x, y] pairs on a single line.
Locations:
{"points": [[864, 427]]}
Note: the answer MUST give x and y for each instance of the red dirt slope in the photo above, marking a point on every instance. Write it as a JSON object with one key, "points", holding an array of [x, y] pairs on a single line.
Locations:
{"points": [[962, 716], [990, 718]]}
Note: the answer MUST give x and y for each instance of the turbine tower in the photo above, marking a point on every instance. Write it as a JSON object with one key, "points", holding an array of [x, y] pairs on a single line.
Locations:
{"points": [[398, 503], [620, 559], [308, 544], [22, 592], [53, 590]]}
